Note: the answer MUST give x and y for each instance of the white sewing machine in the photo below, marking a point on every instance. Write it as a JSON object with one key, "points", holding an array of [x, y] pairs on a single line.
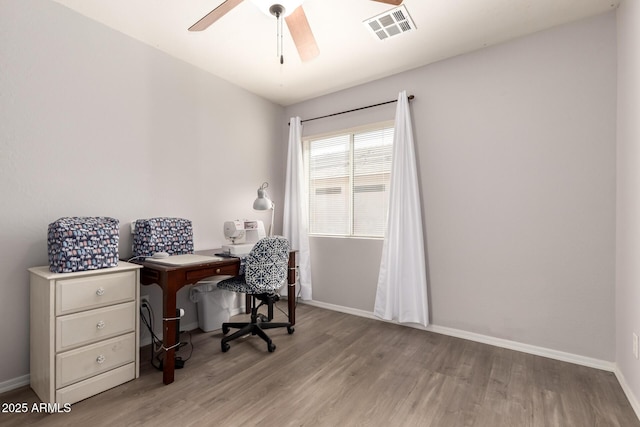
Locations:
{"points": [[243, 235]]}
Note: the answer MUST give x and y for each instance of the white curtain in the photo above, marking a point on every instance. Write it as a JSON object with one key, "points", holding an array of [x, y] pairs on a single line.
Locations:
{"points": [[402, 281], [295, 223]]}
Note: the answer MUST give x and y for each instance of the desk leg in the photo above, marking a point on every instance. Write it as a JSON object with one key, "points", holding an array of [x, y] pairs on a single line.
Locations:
{"points": [[169, 333], [291, 302], [291, 288]]}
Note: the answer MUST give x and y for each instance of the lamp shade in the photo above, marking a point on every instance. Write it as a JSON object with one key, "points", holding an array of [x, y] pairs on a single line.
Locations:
{"points": [[263, 202]]}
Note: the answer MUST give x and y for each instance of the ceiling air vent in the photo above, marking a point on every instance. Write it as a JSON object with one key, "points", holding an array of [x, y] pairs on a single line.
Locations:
{"points": [[391, 23]]}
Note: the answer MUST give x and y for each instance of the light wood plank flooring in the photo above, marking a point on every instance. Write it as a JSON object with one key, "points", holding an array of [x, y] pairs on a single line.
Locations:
{"points": [[342, 370]]}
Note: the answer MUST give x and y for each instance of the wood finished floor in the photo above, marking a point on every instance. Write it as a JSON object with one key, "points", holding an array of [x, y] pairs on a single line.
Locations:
{"points": [[342, 370]]}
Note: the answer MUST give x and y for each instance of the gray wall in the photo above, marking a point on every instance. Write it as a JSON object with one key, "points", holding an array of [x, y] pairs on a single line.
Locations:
{"points": [[628, 194], [516, 152], [96, 123]]}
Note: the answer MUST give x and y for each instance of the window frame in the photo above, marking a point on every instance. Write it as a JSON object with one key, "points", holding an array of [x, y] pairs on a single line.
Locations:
{"points": [[306, 142]]}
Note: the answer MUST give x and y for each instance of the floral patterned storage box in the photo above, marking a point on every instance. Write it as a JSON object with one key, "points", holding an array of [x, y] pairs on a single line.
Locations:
{"points": [[82, 243], [171, 235]]}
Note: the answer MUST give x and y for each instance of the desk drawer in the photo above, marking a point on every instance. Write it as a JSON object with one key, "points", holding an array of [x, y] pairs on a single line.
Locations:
{"points": [[76, 365], [201, 273], [94, 325], [83, 293]]}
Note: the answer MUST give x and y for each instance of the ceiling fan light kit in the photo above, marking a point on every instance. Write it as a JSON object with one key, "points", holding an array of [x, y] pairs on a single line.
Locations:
{"points": [[288, 6]]}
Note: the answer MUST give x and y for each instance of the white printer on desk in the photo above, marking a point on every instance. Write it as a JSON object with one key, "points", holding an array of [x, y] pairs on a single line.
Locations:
{"points": [[243, 235]]}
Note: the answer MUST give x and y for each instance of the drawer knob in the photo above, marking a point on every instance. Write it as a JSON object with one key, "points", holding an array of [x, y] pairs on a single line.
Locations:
{"points": [[100, 324], [217, 270], [100, 359], [100, 292]]}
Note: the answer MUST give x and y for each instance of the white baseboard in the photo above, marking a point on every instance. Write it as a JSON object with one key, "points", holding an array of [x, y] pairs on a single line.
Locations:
{"points": [[15, 383], [527, 348], [485, 339], [628, 392]]}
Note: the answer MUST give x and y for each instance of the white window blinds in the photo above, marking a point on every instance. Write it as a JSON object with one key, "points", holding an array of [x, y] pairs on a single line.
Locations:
{"points": [[348, 176]]}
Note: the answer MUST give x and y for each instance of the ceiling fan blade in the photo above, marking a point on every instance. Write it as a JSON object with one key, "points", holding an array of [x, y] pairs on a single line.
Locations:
{"points": [[393, 2], [302, 35], [214, 15]]}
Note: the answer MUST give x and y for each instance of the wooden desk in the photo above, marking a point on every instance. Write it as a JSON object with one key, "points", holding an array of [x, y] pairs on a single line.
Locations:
{"points": [[173, 278]]}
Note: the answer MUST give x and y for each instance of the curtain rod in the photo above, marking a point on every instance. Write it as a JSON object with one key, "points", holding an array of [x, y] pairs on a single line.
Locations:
{"points": [[410, 97]]}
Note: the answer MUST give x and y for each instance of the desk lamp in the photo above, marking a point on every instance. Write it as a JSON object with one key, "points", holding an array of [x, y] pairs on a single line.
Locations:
{"points": [[263, 203]]}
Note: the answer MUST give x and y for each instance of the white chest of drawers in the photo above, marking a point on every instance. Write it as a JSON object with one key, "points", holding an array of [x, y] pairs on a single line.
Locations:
{"points": [[84, 331]]}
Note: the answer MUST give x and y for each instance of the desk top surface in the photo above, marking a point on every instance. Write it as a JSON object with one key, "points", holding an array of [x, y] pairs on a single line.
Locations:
{"points": [[184, 260], [198, 259]]}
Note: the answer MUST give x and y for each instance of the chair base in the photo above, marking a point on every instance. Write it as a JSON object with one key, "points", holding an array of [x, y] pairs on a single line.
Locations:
{"points": [[257, 326]]}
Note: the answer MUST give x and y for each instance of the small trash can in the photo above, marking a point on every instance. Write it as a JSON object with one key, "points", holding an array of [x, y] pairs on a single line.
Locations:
{"points": [[213, 305]]}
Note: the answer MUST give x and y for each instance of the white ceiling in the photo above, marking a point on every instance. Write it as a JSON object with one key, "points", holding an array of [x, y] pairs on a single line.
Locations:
{"points": [[241, 46]]}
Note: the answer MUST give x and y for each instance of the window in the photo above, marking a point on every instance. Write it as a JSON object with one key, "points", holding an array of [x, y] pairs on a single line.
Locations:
{"points": [[348, 181]]}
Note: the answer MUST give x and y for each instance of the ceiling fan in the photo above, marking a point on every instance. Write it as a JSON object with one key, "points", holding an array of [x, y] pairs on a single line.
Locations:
{"points": [[293, 14]]}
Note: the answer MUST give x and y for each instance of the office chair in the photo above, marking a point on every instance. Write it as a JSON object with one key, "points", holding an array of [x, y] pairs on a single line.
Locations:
{"points": [[265, 272]]}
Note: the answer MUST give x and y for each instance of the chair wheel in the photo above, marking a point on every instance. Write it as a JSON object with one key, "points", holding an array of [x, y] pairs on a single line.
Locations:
{"points": [[290, 329], [225, 347], [271, 347], [225, 330]]}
